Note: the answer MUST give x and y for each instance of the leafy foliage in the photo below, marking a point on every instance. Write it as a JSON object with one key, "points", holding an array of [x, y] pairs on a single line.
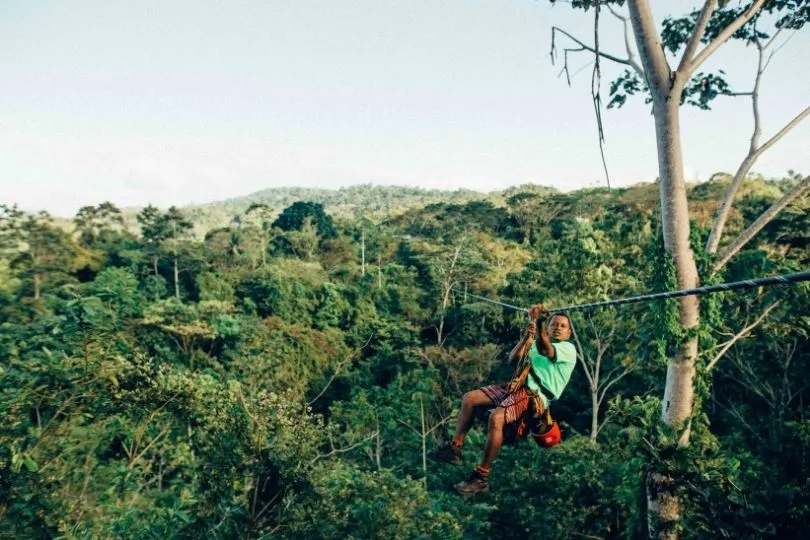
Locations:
{"points": [[293, 393]]}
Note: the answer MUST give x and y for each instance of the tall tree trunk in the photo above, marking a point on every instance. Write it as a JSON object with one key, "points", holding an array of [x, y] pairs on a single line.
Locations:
{"points": [[447, 287], [666, 86], [154, 264], [37, 285], [594, 413], [662, 501], [363, 253], [176, 278], [679, 392]]}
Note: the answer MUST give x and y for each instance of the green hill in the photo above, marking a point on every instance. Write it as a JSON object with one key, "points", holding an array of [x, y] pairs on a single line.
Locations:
{"points": [[370, 200]]}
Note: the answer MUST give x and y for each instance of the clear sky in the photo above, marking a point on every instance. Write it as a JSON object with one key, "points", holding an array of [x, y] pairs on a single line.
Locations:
{"points": [[180, 101]]}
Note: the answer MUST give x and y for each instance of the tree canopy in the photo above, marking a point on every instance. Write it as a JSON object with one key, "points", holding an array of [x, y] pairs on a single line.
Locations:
{"points": [[179, 387]]}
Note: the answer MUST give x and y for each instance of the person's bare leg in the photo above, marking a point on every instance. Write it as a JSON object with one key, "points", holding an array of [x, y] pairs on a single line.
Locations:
{"points": [[494, 437], [477, 480], [472, 399]]}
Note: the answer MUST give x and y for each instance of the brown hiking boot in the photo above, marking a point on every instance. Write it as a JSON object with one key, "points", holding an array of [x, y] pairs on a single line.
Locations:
{"points": [[449, 453], [475, 483]]}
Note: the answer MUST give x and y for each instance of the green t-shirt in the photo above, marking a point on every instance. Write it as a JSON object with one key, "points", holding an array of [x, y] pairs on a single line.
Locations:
{"points": [[555, 375]]}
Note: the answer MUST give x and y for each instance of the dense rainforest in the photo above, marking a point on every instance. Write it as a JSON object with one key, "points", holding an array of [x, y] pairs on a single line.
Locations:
{"points": [[279, 366]]}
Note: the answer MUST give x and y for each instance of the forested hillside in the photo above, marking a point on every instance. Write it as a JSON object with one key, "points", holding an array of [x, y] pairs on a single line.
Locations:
{"points": [[284, 373], [366, 199]]}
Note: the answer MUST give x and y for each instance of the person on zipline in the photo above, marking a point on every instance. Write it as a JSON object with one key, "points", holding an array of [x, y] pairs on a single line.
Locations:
{"points": [[522, 405]]}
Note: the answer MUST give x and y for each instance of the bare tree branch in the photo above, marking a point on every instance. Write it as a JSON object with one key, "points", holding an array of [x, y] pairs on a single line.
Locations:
{"points": [[790, 19], [754, 151], [741, 418], [339, 367], [753, 154], [162, 433], [722, 37], [770, 42], [740, 335], [555, 29], [441, 422], [627, 371], [334, 451], [569, 76], [735, 246], [752, 148], [581, 355], [631, 56], [697, 34], [448, 283], [565, 69], [782, 132], [657, 72], [753, 382]]}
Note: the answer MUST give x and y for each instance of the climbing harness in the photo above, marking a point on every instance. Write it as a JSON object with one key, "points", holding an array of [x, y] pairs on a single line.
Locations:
{"points": [[542, 428]]}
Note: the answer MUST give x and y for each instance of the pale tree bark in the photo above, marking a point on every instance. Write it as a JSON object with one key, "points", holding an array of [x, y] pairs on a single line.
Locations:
{"points": [[176, 278], [592, 365], [729, 251], [663, 505], [379, 271], [174, 256], [742, 334], [755, 150], [261, 222], [423, 434], [448, 282], [678, 392], [689, 66], [666, 88], [697, 34]]}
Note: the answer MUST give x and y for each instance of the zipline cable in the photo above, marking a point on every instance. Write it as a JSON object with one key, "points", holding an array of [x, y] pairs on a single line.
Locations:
{"points": [[510, 306], [786, 279]]}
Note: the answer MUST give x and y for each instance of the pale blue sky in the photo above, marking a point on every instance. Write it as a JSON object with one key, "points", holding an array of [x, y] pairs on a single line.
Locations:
{"points": [[176, 101]]}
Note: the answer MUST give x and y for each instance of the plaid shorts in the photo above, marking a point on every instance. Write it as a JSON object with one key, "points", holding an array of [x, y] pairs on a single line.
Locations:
{"points": [[515, 404], [520, 415]]}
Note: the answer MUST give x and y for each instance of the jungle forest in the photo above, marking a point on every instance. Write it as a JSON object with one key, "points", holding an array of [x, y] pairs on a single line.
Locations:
{"points": [[286, 375], [285, 364]]}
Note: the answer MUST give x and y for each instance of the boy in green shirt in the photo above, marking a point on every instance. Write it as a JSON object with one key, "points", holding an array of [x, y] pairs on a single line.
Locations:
{"points": [[551, 360]]}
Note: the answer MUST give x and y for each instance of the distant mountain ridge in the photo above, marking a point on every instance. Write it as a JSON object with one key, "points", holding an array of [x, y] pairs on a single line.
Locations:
{"points": [[381, 201], [369, 199]]}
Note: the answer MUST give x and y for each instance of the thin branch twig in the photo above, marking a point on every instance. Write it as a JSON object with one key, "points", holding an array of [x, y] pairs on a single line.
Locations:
{"points": [[722, 37], [631, 56], [338, 369], [335, 451], [603, 54], [740, 335], [697, 33]]}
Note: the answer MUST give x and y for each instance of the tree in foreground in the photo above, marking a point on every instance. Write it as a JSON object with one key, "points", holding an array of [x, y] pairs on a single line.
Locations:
{"points": [[666, 67]]}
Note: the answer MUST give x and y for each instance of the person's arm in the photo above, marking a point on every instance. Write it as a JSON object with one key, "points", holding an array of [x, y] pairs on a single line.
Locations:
{"points": [[544, 347], [522, 347]]}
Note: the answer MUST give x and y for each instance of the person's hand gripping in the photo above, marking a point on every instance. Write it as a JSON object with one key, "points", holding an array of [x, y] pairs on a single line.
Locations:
{"points": [[539, 313]]}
